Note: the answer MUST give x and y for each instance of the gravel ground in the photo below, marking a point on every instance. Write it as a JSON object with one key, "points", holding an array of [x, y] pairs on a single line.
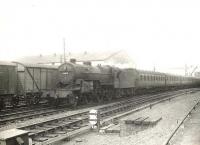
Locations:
{"points": [[171, 113], [188, 133]]}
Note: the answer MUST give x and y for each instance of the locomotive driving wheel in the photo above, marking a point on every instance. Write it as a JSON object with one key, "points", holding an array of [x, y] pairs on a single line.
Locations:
{"points": [[73, 100], [83, 99], [99, 98]]}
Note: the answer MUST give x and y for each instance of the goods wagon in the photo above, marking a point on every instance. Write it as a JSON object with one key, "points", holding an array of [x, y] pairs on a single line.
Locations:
{"points": [[26, 83], [35, 81]]}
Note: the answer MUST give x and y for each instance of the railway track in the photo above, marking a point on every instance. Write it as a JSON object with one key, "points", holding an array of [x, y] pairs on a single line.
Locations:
{"points": [[28, 114], [17, 111], [23, 106], [67, 125], [22, 115]]}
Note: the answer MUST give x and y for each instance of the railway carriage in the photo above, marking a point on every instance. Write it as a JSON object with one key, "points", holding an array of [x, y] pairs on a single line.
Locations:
{"points": [[150, 79]]}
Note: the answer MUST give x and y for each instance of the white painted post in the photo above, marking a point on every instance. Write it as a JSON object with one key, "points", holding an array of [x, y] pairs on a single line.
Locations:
{"points": [[94, 119]]}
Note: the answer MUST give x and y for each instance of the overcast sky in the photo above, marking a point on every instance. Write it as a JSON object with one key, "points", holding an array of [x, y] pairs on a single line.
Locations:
{"points": [[164, 33]]}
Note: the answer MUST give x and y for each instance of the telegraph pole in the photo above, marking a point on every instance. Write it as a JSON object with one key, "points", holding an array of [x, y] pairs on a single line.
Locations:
{"points": [[64, 49], [186, 69]]}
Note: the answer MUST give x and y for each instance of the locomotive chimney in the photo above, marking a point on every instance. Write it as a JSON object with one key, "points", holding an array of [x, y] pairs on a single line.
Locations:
{"points": [[89, 63], [73, 60]]}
